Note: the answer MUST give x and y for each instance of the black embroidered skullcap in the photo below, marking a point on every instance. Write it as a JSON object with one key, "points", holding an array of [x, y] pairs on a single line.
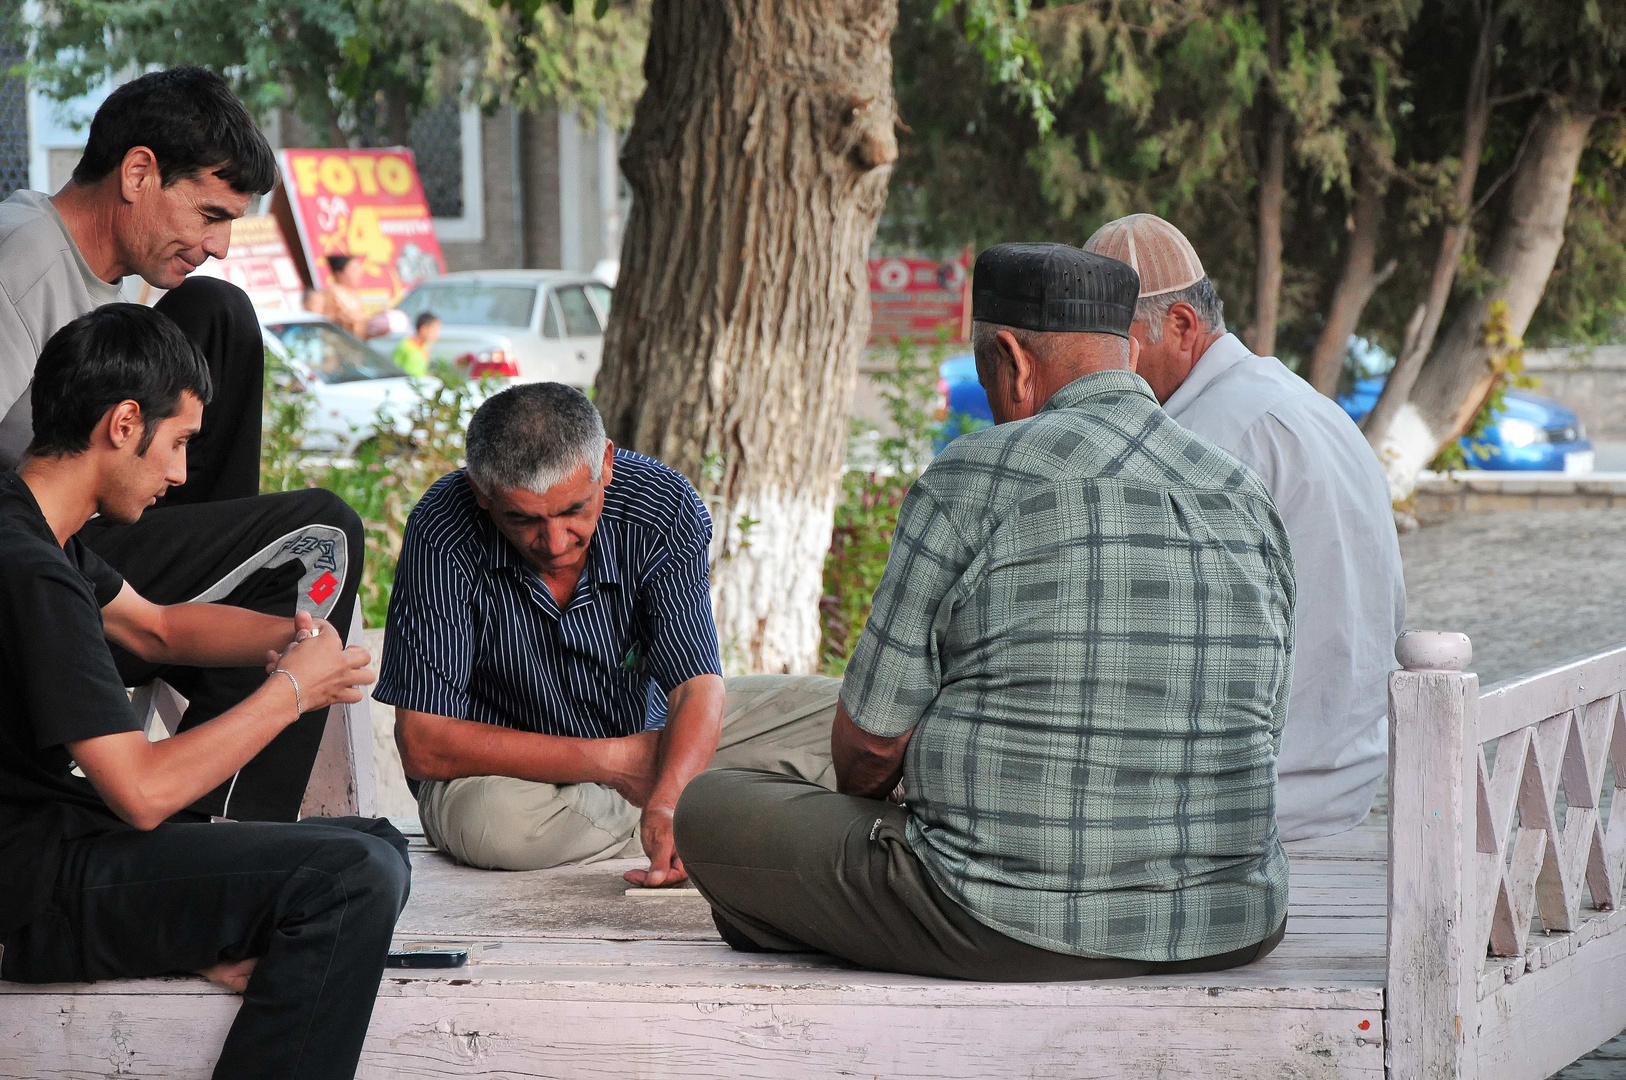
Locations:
{"points": [[1053, 288]]}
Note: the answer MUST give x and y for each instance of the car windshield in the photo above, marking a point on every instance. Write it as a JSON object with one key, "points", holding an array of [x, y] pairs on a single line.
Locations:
{"points": [[472, 304], [331, 354]]}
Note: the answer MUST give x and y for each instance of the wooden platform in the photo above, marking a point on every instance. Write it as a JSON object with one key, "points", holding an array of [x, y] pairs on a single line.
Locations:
{"points": [[568, 977]]}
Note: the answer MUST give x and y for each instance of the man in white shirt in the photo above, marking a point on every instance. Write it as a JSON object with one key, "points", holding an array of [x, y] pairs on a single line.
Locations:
{"points": [[1333, 498]]}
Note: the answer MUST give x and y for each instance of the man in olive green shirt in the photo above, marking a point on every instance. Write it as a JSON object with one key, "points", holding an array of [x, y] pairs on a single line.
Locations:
{"points": [[1077, 662]]}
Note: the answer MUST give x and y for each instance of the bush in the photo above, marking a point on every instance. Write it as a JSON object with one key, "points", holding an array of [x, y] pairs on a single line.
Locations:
{"points": [[871, 494], [382, 473]]}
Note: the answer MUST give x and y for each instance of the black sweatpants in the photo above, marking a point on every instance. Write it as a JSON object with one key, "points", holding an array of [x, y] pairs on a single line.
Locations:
{"points": [[316, 901], [215, 538]]}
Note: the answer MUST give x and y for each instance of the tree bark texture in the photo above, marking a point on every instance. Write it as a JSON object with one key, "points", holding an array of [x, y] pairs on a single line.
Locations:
{"points": [[1267, 282], [1356, 284], [1476, 119], [758, 158], [1453, 383]]}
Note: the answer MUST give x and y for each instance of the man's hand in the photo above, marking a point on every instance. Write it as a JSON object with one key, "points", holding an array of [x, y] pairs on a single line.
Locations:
{"points": [[326, 671], [665, 868], [634, 765]]}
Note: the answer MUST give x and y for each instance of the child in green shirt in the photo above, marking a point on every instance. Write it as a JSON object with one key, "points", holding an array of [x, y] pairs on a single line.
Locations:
{"points": [[412, 355]]}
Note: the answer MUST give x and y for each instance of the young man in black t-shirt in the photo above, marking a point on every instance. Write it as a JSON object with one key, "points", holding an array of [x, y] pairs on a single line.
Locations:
{"points": [[97, 883]]}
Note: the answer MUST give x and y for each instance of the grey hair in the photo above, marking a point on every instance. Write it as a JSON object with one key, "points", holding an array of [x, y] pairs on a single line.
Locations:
{"points": [[984, 333], [1210, 309], [534, 436]]}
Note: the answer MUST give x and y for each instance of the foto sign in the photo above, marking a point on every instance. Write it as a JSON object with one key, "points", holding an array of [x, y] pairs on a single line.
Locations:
{"points": [[368, 204]]}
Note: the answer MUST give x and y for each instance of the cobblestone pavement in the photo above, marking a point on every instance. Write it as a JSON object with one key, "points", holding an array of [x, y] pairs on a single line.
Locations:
{"points": [[1530, 589]]}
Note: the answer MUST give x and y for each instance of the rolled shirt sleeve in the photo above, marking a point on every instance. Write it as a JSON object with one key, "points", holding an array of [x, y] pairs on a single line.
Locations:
{"points": [[895, 672], [429, 650], [678, 630]]}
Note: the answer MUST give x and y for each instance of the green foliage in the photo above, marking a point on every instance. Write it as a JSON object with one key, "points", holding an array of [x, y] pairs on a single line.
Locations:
{"points": [[544, 51], [345, 66], [867, 515], [384, 473], [998, 30], [1507, 369]]}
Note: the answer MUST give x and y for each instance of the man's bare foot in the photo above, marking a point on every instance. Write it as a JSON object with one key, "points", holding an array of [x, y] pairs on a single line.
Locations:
{"points": [[232, 974]]}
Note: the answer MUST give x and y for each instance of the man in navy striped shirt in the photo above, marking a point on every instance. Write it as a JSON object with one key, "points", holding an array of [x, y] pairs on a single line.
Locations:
{"points": [[552, 655]]}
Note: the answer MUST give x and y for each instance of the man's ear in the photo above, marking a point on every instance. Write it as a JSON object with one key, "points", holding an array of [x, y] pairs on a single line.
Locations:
{"points": [[122, 424], [609, 462], [1183, 323], [140, 166], [1134, 353], [479, 496], [1024, 373]]}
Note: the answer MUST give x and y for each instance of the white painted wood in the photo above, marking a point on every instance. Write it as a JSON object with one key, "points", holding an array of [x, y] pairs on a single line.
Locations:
{"points": [[1433, 960], [343, 781], [732, 1034], [1519, 702], [1434, 650], [1532, 1028]]}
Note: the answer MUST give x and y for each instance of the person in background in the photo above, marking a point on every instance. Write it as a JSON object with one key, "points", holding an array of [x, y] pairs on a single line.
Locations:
{"points": [[171, 159], [1077, 664], [412, 355], [341, 301], [98, 882], [1333, 498]]}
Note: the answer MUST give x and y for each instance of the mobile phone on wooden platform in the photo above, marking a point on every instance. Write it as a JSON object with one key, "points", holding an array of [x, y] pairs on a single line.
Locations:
{"points": [[427, 958]]}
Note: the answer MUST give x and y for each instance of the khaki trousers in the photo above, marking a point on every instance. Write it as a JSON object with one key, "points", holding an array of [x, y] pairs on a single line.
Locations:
{"points": [[817, 870], [777, 723]]}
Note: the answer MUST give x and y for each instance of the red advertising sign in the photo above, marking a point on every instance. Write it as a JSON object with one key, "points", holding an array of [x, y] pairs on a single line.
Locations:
{"points": [[258, 262], [368, 204], [919, 299]]}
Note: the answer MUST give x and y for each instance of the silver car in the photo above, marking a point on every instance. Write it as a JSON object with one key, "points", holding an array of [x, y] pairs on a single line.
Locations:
{"points": [[527, 325]]}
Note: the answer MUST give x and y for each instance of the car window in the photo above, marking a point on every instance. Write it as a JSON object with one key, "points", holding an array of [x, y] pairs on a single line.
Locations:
{"points": [[472, 304], [600, 295], [331, 354], [580, 319], [550, 318]]}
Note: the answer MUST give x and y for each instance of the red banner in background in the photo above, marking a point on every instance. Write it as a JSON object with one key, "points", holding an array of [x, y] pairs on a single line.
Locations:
{"points": [[259, 263], [368, 204], [919, 299]]}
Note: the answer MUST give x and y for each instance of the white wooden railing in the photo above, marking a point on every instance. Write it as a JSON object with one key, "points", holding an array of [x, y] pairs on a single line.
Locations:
{"points": [[1505, 877]]}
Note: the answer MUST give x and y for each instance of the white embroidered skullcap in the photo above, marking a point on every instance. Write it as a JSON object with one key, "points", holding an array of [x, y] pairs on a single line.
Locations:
{"points": [[1160, 253]]}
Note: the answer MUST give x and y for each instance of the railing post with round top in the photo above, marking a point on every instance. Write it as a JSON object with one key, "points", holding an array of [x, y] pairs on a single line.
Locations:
{"points": [[1431, 993]]}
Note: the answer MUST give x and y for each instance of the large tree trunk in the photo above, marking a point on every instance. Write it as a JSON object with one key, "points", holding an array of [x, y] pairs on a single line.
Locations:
{"points": [[1359, 280], [1267, 281], [1453, 384], [758, 159], [1476, 119]]}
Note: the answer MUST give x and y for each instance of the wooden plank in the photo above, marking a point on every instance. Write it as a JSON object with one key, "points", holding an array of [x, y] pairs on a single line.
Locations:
{"points": [[416, 1036], [1521, 701], [1530, 1029], [1433, 966]]}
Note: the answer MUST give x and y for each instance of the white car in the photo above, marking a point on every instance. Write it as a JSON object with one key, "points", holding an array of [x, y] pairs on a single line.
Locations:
{"points": [[526, 325], [350, 384]]}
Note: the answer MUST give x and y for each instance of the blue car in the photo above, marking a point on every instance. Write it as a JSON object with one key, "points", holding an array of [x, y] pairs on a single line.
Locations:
{"points": [[1530, 432]]}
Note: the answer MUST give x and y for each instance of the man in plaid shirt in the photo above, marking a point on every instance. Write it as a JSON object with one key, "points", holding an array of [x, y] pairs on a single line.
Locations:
{"points": [[1078, 664]]}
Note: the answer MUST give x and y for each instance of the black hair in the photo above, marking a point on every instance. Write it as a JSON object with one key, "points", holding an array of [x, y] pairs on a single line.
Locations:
{"points": [[424, 319], [337, 263], [119, 352], [191, 121]]}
